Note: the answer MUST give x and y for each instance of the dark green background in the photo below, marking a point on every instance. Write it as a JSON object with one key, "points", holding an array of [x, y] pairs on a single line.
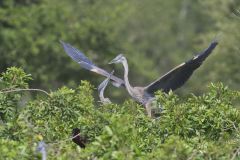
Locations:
{"points": [[155, 36]]}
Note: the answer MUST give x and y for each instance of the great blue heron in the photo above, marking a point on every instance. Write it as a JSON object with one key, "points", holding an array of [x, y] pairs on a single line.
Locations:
{"points": [[101, 89], [172, 80]]}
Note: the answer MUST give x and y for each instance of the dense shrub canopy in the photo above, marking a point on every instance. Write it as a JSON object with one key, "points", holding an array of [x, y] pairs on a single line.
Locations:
{"points": [[197, 127]]}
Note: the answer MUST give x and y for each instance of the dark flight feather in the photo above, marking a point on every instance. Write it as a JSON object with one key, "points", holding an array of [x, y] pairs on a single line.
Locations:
{"points": [[176, 77]]}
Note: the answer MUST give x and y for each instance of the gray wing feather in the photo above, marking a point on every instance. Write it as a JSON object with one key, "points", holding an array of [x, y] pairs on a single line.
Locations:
{"points": [[79, 57], [74, 53], [117, 82]]}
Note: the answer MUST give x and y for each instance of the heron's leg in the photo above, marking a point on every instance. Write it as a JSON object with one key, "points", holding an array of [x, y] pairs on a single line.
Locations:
{"points": [[148, 109], [153, 108]]}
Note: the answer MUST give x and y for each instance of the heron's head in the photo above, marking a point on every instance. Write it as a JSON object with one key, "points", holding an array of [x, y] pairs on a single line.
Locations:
{"points": [[119, 59]]}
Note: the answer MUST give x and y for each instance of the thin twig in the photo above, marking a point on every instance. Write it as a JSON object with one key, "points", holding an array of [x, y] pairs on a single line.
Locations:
{"points": [[192, 155], [235, 153], [233, 124], [20, 89], [65, 140]]}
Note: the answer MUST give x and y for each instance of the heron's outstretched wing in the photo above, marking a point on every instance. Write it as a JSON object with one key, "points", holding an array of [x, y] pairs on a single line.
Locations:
{"points": [[74, 53], [176, 77], [117, 82], [79, 57]]}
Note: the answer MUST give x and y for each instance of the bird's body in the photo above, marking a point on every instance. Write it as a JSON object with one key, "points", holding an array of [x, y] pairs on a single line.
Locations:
{"points": [[78, 139], [170, 81], [140, 95], [143, 97]]}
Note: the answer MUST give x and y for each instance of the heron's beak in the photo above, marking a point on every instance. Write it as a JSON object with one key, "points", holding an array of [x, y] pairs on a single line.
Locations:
{"points": [[116, 59], [113, 61]]}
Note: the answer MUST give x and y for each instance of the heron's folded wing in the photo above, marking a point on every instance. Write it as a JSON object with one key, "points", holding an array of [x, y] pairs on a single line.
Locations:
{"points": [[176, 77]]}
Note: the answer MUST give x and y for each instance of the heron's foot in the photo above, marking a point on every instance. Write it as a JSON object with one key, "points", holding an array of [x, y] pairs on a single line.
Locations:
{"points": [[156, 112], [153, 109]]}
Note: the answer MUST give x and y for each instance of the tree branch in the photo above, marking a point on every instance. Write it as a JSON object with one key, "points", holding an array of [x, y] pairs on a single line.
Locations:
{"points": [[20, 89]]}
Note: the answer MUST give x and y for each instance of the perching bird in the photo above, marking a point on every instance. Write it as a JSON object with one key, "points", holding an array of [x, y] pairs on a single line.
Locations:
{"points": [[172, 80], [101, 89], [78, 139], [79, 57]]}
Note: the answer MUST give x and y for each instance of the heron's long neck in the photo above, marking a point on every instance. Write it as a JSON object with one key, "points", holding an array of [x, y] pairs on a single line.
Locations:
{"points": [[101, 94], [128, 86]]}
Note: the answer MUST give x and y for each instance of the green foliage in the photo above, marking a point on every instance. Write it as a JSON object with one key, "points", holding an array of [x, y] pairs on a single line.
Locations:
{"points": [[198, 127], [14, 78], [9, 103], [211, 116], [13, 149], [32, 33]]}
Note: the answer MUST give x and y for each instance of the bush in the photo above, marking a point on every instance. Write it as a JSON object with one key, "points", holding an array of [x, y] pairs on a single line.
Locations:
{"points": [[197, 127]]}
